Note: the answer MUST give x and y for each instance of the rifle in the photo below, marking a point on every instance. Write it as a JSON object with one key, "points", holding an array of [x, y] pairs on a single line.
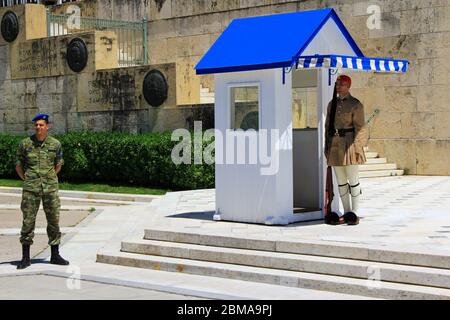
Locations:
{"points": [[373, 115], [329, 194]]}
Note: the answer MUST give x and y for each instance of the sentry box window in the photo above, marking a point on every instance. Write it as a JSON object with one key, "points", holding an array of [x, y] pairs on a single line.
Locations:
{"points": [[245, 107]]}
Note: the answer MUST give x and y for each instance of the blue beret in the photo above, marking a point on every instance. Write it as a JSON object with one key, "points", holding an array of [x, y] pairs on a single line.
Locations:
{"points": [[42, 116]]}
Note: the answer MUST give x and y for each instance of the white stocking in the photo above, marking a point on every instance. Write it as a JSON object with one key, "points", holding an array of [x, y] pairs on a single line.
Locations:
{"points": [[355, 188], [344, 189]]}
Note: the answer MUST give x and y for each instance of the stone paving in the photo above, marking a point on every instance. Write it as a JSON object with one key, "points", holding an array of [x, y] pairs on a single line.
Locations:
{"points": [[72, 213], [58, 288], [408, 212]]}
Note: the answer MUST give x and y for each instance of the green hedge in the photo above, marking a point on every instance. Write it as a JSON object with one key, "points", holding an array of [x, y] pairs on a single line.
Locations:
{"points": [[118, 158]]}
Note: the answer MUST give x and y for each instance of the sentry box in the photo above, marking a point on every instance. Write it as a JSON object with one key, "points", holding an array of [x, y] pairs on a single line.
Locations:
{"points": [[274, 76]]}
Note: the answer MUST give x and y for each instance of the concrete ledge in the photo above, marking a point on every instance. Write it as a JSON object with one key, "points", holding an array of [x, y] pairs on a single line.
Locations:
{"points": [[92, 195]]}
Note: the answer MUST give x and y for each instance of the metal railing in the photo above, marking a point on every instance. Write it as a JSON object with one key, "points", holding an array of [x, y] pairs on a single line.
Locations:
{"points": [[131, 35]]}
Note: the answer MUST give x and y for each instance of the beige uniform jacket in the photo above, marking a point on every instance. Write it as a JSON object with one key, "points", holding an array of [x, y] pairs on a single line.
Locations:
{"points": [[347, 150]]}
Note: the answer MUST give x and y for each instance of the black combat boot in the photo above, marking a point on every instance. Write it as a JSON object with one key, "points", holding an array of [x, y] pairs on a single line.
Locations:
{"points": [[25, 262], [56, 258]]}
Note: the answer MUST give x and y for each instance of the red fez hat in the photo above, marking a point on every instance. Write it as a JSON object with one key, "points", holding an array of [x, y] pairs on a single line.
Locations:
{"points": [[345, 78]]}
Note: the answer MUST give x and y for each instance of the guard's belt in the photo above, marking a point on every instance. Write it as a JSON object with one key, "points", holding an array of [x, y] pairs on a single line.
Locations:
{"points": [[342, 132]]}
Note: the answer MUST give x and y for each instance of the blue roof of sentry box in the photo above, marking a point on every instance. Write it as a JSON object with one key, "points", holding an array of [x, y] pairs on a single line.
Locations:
{"points": [[267, 42]]}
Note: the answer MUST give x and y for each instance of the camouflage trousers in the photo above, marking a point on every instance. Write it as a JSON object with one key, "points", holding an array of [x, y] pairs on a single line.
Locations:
{"points": [[30, 207]]}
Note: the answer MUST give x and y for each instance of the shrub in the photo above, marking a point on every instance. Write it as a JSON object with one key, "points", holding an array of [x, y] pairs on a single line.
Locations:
{"points": [[118, 158]]}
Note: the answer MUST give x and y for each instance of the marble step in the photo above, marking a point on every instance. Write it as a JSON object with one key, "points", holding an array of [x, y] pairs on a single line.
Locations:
{"points": [[376, 160], [369, 288], [371, 154], [377, 166], [436, 259], [381, 173], [294, 262]]}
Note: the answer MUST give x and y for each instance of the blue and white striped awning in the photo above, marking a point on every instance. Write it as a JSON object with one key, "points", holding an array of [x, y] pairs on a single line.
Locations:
{"points": [[355, 63]]}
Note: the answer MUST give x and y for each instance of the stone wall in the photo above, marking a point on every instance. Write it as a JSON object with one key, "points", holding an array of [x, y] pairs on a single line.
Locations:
{"points": [[413, 127]]}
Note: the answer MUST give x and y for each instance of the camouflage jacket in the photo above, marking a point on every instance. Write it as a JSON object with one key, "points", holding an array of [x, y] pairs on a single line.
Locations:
{"points": [[38, 161]]}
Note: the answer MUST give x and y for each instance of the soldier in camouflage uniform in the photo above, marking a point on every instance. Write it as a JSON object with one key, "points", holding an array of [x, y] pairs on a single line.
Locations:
{"points": [[39, 160]]}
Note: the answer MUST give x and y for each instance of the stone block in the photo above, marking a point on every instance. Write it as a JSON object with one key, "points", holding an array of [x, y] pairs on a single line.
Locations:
{"points": [[47, 57], [358, 28], [158, 51], [58, 123], [30, 86], [162, 29], [432, 157], [401, 99], [433, 71], [199, 44], [6, 87], [403, 153], [402, 5], [402, 47], [192, 25], [182, 8], [183, 45], [418, 21], [442, 128], [32, 22], [442, 19], [46, 85], [2, 122], [120, 89], [166, 119], [433, 98], [5, 70], [94, 91], [172, 49], [386, 125], [27, 100], [188, 83], [433, 45], [66, 84], [419, 125], [106, 50], [371, 98], [249, 3], [309, 5], [124, 10], [44, 102], [17, 87], [160, 9], [212, 23]]}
